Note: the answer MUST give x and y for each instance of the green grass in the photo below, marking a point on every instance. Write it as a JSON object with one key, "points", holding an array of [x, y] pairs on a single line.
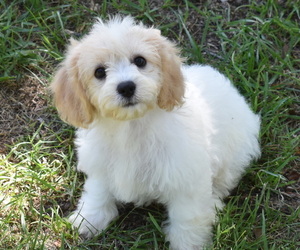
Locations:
{"points": [[257, 45]]}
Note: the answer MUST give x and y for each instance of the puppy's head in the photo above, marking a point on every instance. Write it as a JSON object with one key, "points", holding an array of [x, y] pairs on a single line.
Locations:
{"points": [[119, 70]]}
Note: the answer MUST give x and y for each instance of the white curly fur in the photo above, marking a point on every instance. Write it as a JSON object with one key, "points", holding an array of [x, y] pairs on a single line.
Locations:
{"points": [[185, 141]]}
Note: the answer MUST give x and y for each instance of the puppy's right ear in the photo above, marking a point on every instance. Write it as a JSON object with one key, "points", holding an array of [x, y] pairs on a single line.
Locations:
{"points": [[70, 97]]}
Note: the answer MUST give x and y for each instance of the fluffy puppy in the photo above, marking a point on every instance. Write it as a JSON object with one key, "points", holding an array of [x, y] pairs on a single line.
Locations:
{"points": [[151, 128]]}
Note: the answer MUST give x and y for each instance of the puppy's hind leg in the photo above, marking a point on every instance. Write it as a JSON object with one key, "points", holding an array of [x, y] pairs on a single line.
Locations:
{"points": [[95, 210]]}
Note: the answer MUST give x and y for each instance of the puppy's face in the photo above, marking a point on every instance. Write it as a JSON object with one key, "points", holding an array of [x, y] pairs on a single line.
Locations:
{"points": [[119, 70]]}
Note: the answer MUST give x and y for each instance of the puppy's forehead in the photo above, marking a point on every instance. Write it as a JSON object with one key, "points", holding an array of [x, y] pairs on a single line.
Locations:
{"points": [[122, 42]]}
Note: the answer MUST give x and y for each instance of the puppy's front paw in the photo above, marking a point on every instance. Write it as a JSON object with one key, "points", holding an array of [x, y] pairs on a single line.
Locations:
{"points": [[184, 237], [86, 226], [190, 232], [89, 225]]}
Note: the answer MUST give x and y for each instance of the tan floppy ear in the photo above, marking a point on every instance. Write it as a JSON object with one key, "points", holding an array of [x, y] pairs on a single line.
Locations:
{"points": [[172, 90], [70, 97]]}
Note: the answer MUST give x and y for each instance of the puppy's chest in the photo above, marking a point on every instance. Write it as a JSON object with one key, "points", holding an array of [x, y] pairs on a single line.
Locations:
{"points": [[137, 168]]}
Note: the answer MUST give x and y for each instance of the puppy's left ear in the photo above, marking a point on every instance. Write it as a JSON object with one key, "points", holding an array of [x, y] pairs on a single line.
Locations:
{"points": [[172, 90]]}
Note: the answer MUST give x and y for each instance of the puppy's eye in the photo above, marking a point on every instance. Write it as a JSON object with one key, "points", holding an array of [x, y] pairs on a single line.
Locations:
{"points": [[140, 61], [100, 73]]}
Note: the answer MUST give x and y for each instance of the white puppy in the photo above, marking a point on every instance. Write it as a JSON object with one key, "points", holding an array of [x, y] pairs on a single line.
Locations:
{"points": [[152, 129]]}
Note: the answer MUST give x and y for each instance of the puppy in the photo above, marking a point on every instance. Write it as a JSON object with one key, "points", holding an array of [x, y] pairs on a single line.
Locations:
{"points": [[151, 128]]}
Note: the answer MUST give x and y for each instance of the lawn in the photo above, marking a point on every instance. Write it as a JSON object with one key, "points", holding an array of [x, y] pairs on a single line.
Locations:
{"points": [[255, 43]]}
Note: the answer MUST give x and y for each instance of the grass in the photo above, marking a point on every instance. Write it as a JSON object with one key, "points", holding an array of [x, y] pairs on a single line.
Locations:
{"points": [[257, 45]]}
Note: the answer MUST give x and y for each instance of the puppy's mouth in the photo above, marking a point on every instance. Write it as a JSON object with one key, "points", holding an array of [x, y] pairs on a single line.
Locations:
{"points": [[129, 104]]}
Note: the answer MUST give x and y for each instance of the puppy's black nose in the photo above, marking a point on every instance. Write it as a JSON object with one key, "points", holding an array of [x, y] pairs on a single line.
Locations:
{"points": [[126, 89]]}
